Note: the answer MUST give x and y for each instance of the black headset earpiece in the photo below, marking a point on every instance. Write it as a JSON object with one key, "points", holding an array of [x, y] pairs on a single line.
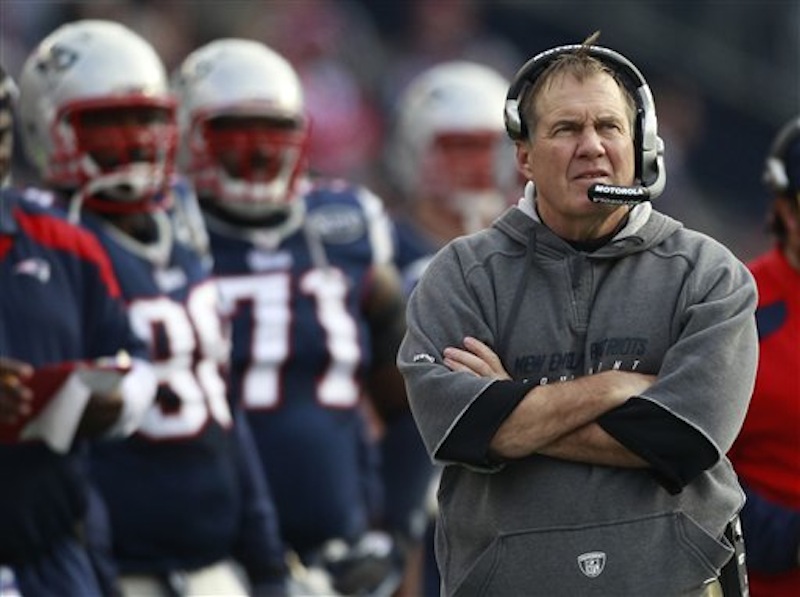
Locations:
{"points": [[776, 176], [648, 146]]}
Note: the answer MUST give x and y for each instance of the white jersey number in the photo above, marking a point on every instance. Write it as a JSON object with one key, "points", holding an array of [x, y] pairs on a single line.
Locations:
{"points": [[188, 365], [270, 295]]}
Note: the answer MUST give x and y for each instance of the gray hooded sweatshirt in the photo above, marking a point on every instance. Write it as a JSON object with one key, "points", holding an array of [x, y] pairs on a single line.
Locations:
{"points": [[657, 299]]}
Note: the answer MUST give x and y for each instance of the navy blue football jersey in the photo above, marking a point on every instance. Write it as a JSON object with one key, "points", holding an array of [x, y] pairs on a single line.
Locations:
{"points": [[175, 490], [59, 302], [295, 294]]}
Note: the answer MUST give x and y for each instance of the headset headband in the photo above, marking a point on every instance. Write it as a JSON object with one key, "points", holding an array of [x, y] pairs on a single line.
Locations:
{"points": [[525, 78]]}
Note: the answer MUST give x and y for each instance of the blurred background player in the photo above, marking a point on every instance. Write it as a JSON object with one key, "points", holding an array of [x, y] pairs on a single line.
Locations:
{"points": [[185, 494], [450, 161], [448, 157], [305, 269], [766, 454], [60, 301]]}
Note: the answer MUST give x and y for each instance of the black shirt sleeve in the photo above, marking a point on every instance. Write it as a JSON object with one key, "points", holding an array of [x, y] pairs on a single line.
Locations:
{"points": [[676, 451], [468, 442]]}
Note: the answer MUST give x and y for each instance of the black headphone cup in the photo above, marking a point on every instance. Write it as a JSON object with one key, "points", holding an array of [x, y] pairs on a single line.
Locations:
{"points": [[524, 79], [638, 144], [511, 118], [514, 122]]}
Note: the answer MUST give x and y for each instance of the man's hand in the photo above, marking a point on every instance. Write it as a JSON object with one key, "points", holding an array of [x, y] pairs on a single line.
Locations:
{"points": [[476, 358], [16, 398]]}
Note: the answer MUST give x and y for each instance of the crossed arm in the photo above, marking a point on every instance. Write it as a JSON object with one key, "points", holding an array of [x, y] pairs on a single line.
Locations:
{"points": [[558, 419]]}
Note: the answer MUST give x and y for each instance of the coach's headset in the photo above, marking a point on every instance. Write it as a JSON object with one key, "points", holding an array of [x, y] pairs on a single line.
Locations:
{"points": [[650, 171], [776, 173]]}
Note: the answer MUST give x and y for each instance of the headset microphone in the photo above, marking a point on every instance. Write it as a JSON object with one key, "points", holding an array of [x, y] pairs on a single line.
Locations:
{"points": [[618, 195]]}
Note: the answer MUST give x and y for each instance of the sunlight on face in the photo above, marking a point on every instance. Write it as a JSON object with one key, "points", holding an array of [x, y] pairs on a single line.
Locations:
{"points": [[582, 136]]}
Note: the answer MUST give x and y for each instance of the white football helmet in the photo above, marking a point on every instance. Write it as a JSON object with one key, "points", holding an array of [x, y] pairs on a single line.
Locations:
{"points": [[457, 98], [251, 171], [88, 68]]}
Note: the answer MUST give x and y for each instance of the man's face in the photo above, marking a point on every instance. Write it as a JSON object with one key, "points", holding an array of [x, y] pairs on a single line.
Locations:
{"points": [[582, 136]]}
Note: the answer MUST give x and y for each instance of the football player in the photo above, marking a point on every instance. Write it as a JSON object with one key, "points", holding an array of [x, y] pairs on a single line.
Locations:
{"points": [[306, 274], [185, 495], [60, 303]]}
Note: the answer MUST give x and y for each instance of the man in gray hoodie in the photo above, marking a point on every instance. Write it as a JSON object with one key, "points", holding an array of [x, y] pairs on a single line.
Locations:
{"points": [[581, 367]]}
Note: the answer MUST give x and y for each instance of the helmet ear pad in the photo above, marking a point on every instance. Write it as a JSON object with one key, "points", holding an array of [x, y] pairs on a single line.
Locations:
{"points": [[782, 166], [648, 146]]}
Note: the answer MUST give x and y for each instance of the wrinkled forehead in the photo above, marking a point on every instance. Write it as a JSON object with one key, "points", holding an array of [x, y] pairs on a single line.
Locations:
{"points": [[560, 73]]}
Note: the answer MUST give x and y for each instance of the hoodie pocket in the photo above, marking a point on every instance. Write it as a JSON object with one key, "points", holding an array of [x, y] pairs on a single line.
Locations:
{"points": [[665, 555]]}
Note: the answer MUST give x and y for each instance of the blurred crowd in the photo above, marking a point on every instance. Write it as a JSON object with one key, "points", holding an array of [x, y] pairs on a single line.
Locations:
{"points": [[354, 57]]}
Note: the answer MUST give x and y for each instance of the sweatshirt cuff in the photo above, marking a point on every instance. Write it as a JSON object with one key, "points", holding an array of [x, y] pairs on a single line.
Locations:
{"points": [[468, 442], [676, 451]]}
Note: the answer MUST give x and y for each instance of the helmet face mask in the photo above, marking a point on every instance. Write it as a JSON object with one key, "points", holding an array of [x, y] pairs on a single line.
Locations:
{"points": [[244, 132], [247, 165], [127, 152]]}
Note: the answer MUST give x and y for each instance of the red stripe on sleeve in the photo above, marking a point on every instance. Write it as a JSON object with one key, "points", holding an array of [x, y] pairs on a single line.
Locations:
{"points": [[59, 234]]}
